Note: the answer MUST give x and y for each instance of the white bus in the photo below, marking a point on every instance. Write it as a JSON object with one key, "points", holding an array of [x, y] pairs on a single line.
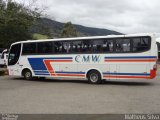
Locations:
{"points": [[91, 58]]}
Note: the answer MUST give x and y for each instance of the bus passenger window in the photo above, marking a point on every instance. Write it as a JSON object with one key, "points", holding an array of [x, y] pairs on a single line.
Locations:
{"points": [[44, 47], [87, 46], [77, 47], [57, 47], [108, 46], [66, 47], [29, 49], [140, 44], [62, 49], [123, 45], [98, 45]]}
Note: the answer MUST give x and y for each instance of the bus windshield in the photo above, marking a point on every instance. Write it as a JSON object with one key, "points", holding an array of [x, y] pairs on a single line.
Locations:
{"points": [[14, 54]]}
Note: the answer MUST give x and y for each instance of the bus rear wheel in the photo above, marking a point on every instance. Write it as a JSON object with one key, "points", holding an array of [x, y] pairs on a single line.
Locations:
{"points": [[27, 74], [94, 77]]}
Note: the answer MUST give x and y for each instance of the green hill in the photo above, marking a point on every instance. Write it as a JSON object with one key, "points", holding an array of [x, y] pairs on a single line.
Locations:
{"points": [[53, 28]]}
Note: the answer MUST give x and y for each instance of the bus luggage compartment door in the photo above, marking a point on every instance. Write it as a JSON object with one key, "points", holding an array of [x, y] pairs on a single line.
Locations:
{"points": [[113, 70]]}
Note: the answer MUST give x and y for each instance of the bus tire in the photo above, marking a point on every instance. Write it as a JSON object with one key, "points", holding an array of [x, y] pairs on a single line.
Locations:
{"points": [[94, 77], [27, 74]]}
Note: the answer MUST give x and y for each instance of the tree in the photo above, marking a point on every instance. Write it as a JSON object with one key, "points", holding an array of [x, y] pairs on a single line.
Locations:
{"points": [[15, 22], [69, 30], [45, 30]]}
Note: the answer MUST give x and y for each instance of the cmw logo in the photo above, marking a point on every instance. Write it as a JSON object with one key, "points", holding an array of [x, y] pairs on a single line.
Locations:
{"points": [[87, 58]]}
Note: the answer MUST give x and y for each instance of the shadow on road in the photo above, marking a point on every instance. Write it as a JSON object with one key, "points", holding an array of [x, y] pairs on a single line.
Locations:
{"points": [[122, 83], [128, 83]]}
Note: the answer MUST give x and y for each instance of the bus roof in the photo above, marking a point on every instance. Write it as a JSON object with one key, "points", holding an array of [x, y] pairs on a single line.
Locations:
{"points": [[88, 37]]}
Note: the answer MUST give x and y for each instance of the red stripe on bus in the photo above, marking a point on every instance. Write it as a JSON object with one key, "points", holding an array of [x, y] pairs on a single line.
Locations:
{"points": [[49, 66], [76, 75]]}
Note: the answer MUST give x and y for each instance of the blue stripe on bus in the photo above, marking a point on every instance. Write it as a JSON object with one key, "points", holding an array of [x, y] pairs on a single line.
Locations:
{"points": [[40, 71], [137, 57], [38, 64], [42, 74], [70, 72], [143, 74]]}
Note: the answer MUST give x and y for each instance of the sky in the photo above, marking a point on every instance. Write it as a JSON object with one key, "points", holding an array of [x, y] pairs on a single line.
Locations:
{"points": [[125, 16]]}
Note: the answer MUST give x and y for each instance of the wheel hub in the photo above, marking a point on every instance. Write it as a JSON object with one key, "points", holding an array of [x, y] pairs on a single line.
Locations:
{"points": [[94, 77]]}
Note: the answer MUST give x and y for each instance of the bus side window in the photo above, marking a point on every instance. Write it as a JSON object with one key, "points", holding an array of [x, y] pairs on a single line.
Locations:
{"points": [[140, 44], [77, 47], [44, 47], [123, 45], [87, 46], [98, 45], [57, 47], [66, 47], [108, 46], [29, 49]]}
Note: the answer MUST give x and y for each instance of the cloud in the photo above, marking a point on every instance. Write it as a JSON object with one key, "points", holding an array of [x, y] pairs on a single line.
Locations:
{"points": [[126, 16]]}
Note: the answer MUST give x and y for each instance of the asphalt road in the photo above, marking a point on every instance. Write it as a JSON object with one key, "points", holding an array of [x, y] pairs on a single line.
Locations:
{"points": [[74, 96]]}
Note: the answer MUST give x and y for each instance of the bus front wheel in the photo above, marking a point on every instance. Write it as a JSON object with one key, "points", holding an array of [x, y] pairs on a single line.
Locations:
{"points": [[94, 77], [27, 74]]}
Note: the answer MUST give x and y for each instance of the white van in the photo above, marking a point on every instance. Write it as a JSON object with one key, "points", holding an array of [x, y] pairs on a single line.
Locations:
{"points": [[4, 58]]}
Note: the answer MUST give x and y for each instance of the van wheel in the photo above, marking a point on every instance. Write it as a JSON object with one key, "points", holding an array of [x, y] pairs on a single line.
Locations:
{"points": [[27, 75], [94, 77]]}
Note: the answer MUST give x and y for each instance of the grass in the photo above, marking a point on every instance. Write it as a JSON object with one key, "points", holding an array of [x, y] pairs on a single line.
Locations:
{"points": [[39, 36]]}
